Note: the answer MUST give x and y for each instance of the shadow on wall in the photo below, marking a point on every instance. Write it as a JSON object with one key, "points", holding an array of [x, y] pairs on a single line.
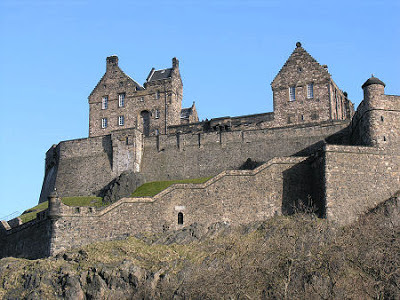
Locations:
{"points": [[298, 190], [107, 146]]}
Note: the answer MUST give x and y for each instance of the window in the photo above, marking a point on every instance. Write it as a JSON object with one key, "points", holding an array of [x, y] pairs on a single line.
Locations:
{"points": [[141, 99], [292, 93], [180, 218], [310, 90], [121, 120], [156, 132], [157, 114], [104, 123], [158, 95], [121, 100], [104, 102]]}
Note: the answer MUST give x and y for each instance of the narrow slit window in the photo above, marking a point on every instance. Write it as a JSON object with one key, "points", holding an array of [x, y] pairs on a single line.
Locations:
{"points": [[292, 93], [104, 102], [121, 120], [104, 123], [121, 100], [180, 218], [310, 91]]}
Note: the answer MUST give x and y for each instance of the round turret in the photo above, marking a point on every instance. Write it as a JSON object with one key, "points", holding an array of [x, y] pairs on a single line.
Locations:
{"points": [[54, 204], [373, 87]]}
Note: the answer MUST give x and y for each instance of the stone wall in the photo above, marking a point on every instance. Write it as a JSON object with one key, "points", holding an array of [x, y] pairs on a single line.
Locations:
{"points": [[357, 179], [232, 196], [30, 240], [195, 155], [83, 168]]}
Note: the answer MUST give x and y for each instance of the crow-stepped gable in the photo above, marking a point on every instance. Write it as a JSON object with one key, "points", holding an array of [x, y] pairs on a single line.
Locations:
{"points": [[312, 151]]}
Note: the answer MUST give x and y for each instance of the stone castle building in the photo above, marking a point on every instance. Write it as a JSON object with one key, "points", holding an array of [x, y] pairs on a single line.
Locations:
{"points": [[313, 149]]}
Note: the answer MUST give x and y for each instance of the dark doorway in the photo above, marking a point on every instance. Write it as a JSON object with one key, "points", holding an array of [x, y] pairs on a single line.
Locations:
{"points": [[145, 115], [180, 218]]}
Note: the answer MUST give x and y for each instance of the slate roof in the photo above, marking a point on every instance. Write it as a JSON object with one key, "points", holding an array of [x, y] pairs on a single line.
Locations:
{"points": [[186, 112], [160, 74]]}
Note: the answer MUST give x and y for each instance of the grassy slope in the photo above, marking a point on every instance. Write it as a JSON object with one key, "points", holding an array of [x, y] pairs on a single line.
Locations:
{"points": [[146, 190], [151, 189], [30, 214]]}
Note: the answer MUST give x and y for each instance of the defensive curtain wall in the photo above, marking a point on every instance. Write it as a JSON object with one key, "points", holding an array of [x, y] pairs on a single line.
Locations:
{"points": [[345, 180], [231, 196], [96, 161]]}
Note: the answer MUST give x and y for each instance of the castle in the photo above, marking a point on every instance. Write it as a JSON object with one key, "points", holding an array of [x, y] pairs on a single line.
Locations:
{"points": [[313, 149]]}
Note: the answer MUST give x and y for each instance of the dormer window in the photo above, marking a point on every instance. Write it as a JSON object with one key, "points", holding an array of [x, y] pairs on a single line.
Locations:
{"points": [[121, 100], [292, 93], [310, 91], [104, 102]]}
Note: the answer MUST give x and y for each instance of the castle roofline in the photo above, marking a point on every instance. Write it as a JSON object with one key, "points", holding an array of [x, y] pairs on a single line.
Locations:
{"points": [[373, 80]]}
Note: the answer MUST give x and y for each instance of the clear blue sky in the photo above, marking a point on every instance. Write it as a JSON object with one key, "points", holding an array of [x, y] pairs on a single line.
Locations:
{"points": [[53, 54]]}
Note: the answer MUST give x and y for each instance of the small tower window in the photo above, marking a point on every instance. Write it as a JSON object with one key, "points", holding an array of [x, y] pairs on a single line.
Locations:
{"points": [[121, 120], [310, 91], [121, 100], [292, 93], [141, 99], [158, 95], [104, 123], [180, 218], [104, 102], [157, 114], [156, 132]]}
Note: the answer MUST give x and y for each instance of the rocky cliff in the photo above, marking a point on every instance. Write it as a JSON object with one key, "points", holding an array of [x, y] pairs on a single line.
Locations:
{"points": [[293, 257]]}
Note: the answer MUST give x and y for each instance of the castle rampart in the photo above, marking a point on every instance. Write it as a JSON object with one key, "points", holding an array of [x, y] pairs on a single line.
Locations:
{"points": [[315, 153], [231, 196]]}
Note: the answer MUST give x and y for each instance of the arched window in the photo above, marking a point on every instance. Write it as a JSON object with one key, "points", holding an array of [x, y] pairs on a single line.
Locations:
{"points": [[180, 218]]}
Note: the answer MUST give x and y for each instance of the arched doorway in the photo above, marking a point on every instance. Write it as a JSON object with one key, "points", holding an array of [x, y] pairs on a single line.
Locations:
{"points": [[145, 116]]}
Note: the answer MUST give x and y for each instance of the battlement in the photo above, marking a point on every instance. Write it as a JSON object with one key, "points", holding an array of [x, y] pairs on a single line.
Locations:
{"points": [[313, 151]]}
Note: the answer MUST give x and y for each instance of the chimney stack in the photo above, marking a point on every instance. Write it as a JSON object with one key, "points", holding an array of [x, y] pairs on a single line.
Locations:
{"points": [[112, 61]]}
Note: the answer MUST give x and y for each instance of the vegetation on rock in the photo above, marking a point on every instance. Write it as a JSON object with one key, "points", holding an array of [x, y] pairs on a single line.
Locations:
{"points": [[295, 257]]}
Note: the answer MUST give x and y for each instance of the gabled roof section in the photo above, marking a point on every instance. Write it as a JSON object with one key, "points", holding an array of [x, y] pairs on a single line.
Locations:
{"points": [[159, 74], [112, 69], [187, 112], [299, 66]]}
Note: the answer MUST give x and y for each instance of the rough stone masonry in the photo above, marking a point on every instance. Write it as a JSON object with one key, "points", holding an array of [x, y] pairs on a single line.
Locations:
{"points": [[315, 151]]}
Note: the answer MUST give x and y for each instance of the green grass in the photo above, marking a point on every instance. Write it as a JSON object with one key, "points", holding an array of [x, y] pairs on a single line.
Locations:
{"points": [[82, 201], [30, 214], [151, 189]]}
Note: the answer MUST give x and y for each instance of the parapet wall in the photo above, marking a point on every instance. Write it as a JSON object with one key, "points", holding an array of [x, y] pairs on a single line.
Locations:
{"points": [[30, 240], [357, 179], [194, 155], [232, 196], [83, 167]]}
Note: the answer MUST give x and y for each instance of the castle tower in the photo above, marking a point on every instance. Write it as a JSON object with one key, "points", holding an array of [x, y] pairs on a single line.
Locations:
{"points": [[373, 114], [304, 92]]}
